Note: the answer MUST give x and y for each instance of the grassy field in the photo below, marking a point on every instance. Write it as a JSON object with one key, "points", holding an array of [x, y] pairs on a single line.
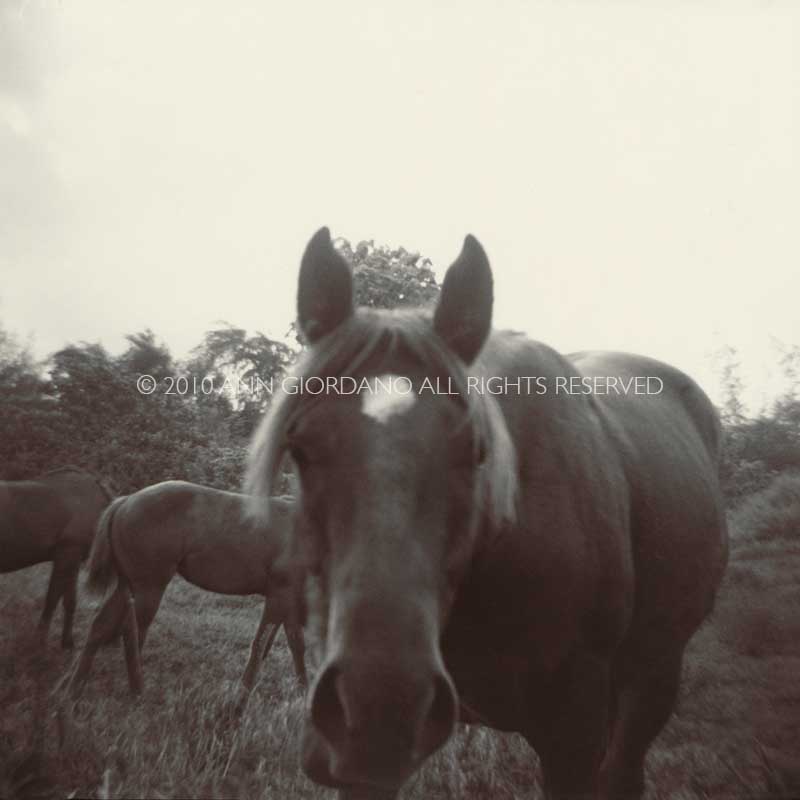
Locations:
{"points": [[736, 733]]}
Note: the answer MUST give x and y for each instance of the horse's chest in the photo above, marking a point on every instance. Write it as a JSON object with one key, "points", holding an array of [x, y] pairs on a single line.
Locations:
{"points": [[493, 688], [495, 660]]}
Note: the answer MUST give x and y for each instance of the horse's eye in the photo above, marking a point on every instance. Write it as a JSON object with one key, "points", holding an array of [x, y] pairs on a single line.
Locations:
{"points": [[295, 445], [299, 452], [470, 450], [298, 456]]}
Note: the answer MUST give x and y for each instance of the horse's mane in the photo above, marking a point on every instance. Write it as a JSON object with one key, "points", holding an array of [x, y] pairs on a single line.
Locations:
{"points": [[376, 336], [67, 468]]}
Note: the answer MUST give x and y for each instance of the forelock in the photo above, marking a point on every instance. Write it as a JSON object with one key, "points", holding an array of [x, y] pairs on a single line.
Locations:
{"points": [[376, 338]]}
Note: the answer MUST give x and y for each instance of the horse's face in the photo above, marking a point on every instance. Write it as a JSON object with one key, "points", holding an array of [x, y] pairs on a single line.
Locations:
{"points": [[387, 522]]}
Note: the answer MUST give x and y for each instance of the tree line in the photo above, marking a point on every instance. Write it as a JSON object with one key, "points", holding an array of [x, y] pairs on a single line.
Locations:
{"points": [[762, 446], [83, 406]]}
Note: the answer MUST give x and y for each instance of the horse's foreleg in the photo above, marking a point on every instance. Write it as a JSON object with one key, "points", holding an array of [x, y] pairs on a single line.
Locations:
{"points": [[65, 570], [571, 727], [646, 680], [249, 676], [70, 598], [297, 647], [130, 638], [55, 588], [270, 640]]}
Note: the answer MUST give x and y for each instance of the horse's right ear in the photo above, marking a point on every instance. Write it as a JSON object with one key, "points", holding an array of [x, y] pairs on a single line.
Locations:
{"points": [[463, 316], [325, 288]]}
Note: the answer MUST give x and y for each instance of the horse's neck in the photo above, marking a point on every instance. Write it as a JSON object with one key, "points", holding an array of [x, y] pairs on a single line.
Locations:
{"points": [[73, 479]]}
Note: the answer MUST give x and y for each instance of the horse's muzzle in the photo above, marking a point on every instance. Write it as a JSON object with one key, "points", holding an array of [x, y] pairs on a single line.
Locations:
{"points": [[374, 723]]}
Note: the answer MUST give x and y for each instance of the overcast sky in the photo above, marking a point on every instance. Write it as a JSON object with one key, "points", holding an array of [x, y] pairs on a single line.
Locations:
{"points": [[630, 167]]}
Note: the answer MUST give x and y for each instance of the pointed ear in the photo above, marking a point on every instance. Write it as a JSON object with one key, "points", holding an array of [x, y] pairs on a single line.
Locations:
{"points": [[325, 288], [464, 314]]}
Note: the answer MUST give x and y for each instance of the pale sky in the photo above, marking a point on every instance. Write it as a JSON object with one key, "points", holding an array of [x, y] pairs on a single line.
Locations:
{"points": [[630, 167]]}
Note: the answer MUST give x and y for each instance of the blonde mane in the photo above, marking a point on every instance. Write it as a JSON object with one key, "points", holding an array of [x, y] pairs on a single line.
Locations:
{"points": [[371, 335]]}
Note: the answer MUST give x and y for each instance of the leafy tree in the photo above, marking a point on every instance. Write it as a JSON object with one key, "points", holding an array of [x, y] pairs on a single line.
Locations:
{"points": [[387, 278], [732, 411], [249, 365], [146, 356], [18, 372], [91, 414], [30, 424], [248, 357], [757, 449], [87, 410]]}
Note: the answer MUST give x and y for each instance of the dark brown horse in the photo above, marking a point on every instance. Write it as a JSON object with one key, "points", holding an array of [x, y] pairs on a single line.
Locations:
{"points": [[203, 535], [538, 558], [53, 519]]}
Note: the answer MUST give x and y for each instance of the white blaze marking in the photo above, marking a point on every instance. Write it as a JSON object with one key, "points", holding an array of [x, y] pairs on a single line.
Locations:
{"points": [[387, 396]]}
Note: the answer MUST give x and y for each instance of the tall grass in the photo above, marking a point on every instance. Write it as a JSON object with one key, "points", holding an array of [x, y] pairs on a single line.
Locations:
{"points": [[735, 733]]}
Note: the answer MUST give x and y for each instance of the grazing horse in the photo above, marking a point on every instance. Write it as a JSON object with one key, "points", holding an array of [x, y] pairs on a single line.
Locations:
{"points": [[482, 533], [203, 535], [51, 518]]}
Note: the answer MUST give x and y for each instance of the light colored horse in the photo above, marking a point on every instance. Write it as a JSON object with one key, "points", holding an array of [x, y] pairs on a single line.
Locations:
{"points": [[201, 534], [51, 518]]}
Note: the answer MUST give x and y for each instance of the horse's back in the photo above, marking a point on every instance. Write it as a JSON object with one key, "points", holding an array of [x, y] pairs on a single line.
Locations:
{"points": [[664, 428], [661, 390], [201, 532]]}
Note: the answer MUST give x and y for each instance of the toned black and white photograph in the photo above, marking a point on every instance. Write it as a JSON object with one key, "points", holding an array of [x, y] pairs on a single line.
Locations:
{"points": [[400, 401]]}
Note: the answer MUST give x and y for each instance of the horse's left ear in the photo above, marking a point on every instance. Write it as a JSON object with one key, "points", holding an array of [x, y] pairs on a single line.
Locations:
{"points": [[325, 288], [464, 313]]}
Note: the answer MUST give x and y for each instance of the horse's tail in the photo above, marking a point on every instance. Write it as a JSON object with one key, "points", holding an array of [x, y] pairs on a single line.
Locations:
{"points": [[101, 558]]}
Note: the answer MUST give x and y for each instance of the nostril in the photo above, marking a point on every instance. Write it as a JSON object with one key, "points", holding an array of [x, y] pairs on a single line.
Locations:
{"points": [[440, 720], [381, 726], [328, 712]]}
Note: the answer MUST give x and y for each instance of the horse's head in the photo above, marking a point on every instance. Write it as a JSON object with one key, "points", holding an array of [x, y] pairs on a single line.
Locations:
{"points": [[400, 465]]}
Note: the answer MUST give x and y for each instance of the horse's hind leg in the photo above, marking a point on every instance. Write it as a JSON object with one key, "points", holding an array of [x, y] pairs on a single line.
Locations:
{"points": [[70, 601], [148, 599], [646, 686], [131, 640], [54, 589], [105, 628]]}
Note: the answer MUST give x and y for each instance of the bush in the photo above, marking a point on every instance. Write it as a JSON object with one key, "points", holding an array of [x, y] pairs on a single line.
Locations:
{"points": [[772, 514]]}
